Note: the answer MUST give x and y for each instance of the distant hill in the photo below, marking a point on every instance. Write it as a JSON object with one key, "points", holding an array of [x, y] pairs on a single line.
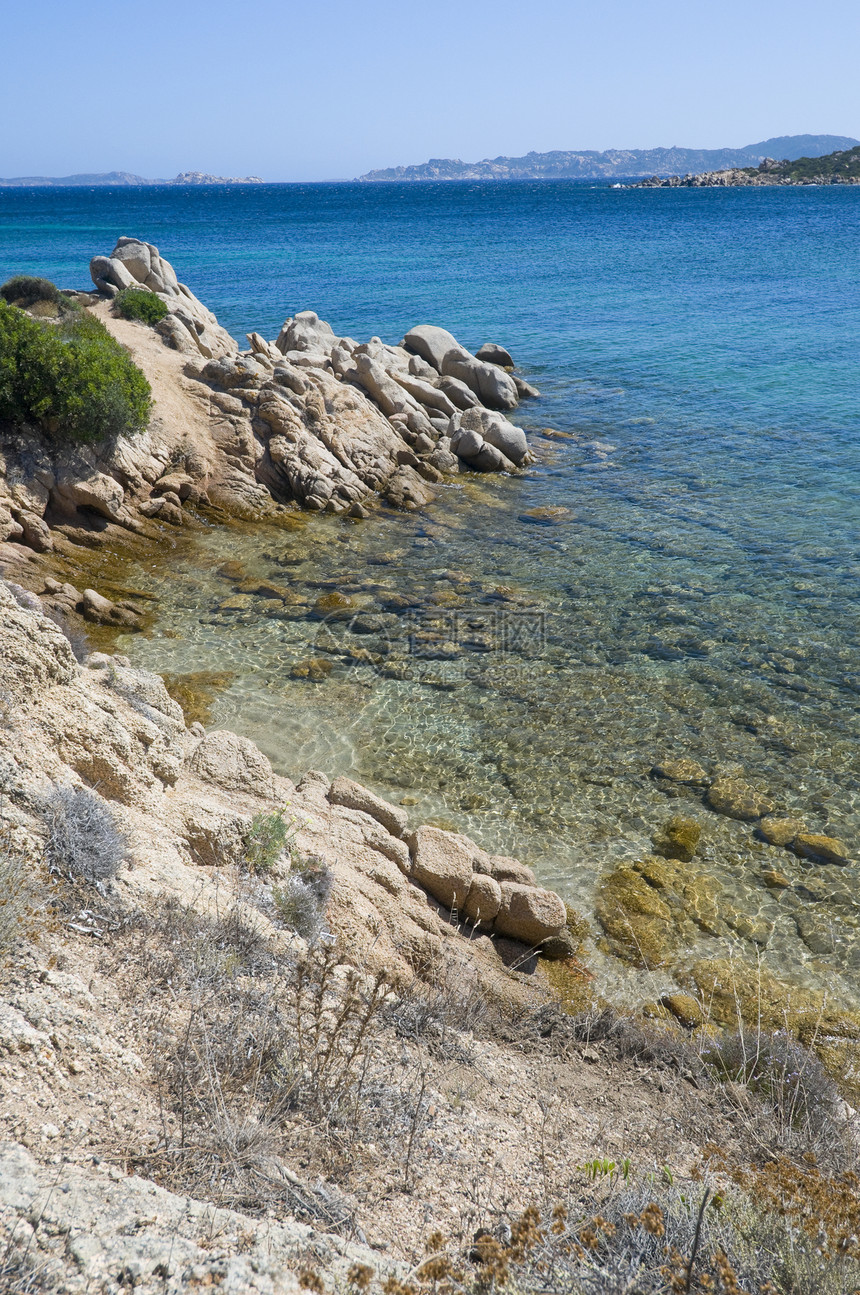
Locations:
{"points": [[841, 167], [588, 165], [118, 178]]}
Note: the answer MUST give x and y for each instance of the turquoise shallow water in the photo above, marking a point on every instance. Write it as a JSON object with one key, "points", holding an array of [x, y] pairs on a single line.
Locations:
{"points": [[698, 349]]}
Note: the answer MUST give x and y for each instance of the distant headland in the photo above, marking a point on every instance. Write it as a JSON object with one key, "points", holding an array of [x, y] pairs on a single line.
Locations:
{"points": [[841, 167], [121, 178], [590, 165]]}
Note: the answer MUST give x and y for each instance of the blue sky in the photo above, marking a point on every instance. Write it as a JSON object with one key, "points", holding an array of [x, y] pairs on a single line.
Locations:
{"points": [[332, 88]]}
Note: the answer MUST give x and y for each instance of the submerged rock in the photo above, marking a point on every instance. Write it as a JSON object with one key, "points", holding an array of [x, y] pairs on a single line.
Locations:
{"points": [[685, 1009], [735, 798], [811, 845], [636, 918], [316, 669], [682, 770], [779, 831], [678, 839], [548, 515]]}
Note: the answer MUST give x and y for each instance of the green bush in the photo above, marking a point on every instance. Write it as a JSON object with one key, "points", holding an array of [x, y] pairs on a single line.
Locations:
{"points": [[25, 290], [71, 378], [139, 303], [266, 839]]}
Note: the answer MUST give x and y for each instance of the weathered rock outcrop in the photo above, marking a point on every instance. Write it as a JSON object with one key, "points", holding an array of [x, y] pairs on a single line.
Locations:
{"points": [[121, 1231], [491, 384], [135, 264], [499, 893], [418, 386], [311, 417]]}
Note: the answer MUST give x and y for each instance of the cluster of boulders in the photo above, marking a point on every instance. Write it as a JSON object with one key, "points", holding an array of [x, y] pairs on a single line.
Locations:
{"points": [[737, 799], [429, 387], [488, 892], [311, 417], [51, 492], [768, 172], [444, 405]]}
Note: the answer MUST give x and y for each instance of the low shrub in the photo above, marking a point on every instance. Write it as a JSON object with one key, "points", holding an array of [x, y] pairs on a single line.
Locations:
{"points": [[244, 1042], [302, 902], [266, 840], [84, 841], [194, 951], [804, 1105], [25, 290], [71, 378], [141, 304]]}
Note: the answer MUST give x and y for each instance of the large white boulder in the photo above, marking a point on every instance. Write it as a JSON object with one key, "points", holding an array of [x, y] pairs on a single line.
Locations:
{"points": [[529, 913], [432, 344], [233, 763], [306, 332], [442, 864], [497, 431], [492, 385]]}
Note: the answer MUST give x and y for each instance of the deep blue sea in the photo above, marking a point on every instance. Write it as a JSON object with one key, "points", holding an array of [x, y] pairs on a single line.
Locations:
{"points": [[697, 351]]}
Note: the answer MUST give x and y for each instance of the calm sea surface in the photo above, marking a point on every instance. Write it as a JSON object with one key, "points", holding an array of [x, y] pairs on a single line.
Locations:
{"points": [[698, 352]]}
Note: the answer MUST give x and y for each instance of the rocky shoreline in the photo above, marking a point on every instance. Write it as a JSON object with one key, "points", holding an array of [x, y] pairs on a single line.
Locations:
{"points": [[170, 1115], [309, 419], [768, 173]]}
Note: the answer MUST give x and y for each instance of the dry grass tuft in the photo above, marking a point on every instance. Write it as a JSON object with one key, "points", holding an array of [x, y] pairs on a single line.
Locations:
{"points": [[19, 893], [250, 1051]]}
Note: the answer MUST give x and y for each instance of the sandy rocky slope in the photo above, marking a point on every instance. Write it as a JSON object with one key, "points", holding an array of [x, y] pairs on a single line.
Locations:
{"points": [[496, 1115]]}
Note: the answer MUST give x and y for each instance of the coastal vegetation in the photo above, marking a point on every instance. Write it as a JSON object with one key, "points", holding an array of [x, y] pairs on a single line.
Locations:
{"points": [[26, 291], [69, 377], [842, 165], [268, 836]]}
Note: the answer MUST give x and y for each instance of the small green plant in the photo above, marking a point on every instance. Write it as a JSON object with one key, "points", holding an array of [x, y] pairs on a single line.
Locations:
{"points": [[602, 1168], [139, 303], [266, 840], [71, 378]]}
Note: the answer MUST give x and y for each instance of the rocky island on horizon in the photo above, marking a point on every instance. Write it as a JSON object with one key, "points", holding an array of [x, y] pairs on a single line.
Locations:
{"points": [[120, 178]]}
